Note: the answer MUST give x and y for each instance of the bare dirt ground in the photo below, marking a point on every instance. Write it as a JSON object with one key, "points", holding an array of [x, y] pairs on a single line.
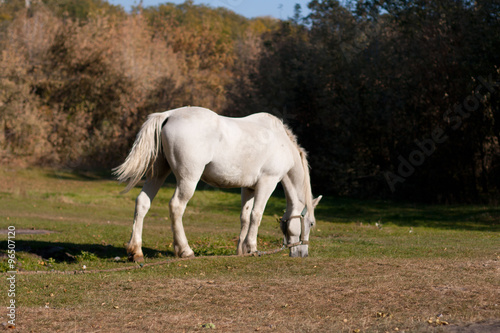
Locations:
{"points": [[342, 296]]}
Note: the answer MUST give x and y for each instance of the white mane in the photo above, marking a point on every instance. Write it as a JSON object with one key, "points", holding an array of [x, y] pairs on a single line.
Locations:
{"points": [[305, 165]]}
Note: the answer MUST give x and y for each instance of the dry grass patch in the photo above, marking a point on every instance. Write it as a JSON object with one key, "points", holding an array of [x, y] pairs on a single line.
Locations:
{"points": [[346, 295]]}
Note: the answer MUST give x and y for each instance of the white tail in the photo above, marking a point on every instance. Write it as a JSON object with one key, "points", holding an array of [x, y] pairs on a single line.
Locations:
{"points": [[144, 152]]}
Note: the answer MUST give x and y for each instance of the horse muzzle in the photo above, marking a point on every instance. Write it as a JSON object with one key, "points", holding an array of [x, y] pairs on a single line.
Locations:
{"points": [[301, 251]]}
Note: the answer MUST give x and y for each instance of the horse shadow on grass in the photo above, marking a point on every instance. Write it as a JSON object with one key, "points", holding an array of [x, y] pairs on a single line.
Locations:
{"points": [[79, 175], [72, 252]]}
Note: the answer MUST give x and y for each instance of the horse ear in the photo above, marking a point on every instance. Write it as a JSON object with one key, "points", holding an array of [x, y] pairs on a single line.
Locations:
{"points": [[316, 201]]}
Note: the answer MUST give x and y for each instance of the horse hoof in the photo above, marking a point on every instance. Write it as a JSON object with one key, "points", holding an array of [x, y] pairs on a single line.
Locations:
{"points": [[136, 258], [186, 254], [249, 249]]}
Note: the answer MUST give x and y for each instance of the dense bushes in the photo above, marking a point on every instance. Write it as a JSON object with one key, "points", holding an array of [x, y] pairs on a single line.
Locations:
{"points": [[365, 87]]}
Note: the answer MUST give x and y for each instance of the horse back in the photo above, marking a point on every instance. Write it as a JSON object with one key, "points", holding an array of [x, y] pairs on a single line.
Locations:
{"points": [[228, 152]]}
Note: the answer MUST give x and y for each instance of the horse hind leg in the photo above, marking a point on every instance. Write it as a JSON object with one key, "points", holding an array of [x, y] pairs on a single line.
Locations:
{"points": [[183, 193], [142, 205]]}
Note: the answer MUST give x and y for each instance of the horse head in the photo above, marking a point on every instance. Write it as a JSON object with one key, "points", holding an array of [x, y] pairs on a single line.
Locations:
{"points": [[296, 229]]}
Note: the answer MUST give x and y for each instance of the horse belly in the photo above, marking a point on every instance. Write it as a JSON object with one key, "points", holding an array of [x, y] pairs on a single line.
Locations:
{"points": [[229, 176]]}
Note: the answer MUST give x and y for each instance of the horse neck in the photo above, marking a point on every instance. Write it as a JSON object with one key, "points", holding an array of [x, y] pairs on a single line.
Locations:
{"points": [[297, 187]]}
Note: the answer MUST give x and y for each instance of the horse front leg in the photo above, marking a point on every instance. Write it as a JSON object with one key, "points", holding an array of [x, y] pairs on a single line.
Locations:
{"points": [[263, 191], [183, 193], [247, 201], [142, 205]]}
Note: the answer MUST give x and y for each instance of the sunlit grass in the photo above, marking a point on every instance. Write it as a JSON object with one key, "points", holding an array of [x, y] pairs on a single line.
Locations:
{"points": [[88, 213]]}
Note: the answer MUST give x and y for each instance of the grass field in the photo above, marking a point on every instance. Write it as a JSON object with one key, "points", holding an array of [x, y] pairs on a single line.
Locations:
{"points": [[374, 266]]}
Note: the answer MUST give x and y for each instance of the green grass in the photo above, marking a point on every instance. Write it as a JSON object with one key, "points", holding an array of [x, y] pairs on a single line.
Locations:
{"points": [[353, 240], [89, 215]]}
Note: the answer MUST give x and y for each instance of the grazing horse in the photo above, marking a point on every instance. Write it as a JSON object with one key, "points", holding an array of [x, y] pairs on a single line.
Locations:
{"points": [[255, 153]]}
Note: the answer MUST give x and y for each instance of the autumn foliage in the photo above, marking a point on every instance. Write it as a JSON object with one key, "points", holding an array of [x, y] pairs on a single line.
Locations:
{"points": [[74, 91]]}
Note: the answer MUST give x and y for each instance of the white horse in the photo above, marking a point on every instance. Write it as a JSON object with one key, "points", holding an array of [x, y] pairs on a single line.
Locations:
{"points": [[254, 153]]}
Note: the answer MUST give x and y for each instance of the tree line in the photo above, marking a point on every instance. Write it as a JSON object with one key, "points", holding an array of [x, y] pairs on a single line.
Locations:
{"points": [[392, 99]]}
